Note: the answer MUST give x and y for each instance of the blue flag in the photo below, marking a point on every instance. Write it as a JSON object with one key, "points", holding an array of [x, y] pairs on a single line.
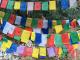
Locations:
{"points": [[23, 6], [64, 4]]}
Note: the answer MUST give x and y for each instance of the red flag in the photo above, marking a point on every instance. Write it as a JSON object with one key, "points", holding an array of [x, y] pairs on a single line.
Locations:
{"points": [[37, 6], [40, 23], [51, 41], [63, 22], [73, 24], [27, 51], [4, 3], [56, 51], [65, 38], [18, 31], [12, 18]]}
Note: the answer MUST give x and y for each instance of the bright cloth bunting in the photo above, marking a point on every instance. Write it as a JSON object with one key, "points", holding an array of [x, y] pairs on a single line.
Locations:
{"points": [[53, 44], [10, 47], [28, 6], [39, 39], [38, 25]]}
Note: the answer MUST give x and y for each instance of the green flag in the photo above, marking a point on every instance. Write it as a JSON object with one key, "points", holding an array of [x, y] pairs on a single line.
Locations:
{"points": [[10, 4], [58, 40], [59, 22], [6, 16], [34, 23], [74, 37], [44, 5], [66, 27]]}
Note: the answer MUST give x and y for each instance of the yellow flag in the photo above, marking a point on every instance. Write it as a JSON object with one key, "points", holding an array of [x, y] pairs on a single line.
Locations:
{"points": [[17, 5], [9, 43], [60, 52], [33, 36], [4, 46], [52, 5], [75, 46], [58, 28], [25, 36], [42, 51], [2, 14], [54, 22], [29, 22], [35, 52]]}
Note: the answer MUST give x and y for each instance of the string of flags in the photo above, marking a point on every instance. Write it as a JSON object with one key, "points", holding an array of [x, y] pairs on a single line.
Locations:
{"points": [[30, 6], [39, 39], [40, 25], [28, 51], [65, 4], [56, 45], [59, 44]]}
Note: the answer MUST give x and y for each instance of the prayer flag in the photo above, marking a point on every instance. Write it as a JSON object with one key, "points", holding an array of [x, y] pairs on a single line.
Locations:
{"points": [[40, 23], [17, 5], [42, 52], [12, 19], [37, 5], [58, 40], [10, 4], [25, 36], [65, 38], [73, 3], [51, 52], [74, 37], [4, 4], [38, 38], [30, 6], [58, 28], [64, 4], [35, 52], [50, 41], [52, 5], [23, 6], [44, 6]]}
